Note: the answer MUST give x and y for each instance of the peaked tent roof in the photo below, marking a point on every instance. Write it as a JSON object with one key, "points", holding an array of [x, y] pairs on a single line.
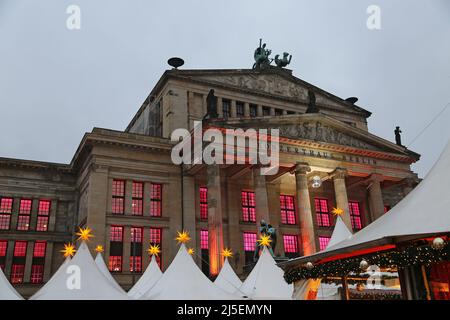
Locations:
{"points": [[340, 233], [266, 280], [183, 280], [93, 284], [151, 275], [104, 269], [227, 279], [7, 291]]}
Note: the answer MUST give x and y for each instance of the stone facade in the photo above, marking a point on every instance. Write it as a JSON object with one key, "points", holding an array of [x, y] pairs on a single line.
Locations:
{"points": [[354, 165]]}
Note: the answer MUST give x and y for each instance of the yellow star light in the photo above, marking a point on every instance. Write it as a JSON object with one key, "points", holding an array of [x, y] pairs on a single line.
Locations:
{"points": [[69, 250], [99, 248], [337, 211], [183, 237], [264, 240], [227, 253], [191, 251], [154, 250], [84, 234]]}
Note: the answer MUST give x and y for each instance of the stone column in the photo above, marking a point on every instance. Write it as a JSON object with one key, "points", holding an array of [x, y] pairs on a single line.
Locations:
{"points": [[145, 246], [233, 111], [34, 212], [126, 253], [15, 213], [340, 191], [53, 212], [246, 109], [272, 111], [215, 233], [261, 200], [219, 107], [259, 110], [304, 208], [9, 258], [28, 262], [189, 199], [273, 194], [48, 261], [376, 203], [128, 197]]}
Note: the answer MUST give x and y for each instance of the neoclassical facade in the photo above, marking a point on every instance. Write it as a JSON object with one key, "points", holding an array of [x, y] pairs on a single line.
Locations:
{"points": [[125, 187]]}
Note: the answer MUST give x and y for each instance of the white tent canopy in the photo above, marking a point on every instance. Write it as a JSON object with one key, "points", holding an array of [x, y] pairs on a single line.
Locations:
{"points": [[340, 233], [151, 275], [79, 279], [423, 211], [104, 269], [227, 279], [183, 280], [266, 280], [7, 292]]}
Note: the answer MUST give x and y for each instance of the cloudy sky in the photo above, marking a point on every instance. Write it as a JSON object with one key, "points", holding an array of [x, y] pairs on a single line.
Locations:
{"points": [[56, 84]]}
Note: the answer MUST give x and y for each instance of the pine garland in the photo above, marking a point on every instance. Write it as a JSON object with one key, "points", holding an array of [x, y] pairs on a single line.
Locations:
{"points": [[409, 256]]}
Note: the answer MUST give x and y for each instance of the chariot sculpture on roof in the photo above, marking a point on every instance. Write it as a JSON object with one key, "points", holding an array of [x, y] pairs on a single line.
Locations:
{"points": [[263, 60]]}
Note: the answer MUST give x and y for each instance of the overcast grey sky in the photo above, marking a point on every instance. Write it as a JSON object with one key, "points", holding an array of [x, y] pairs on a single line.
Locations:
{"points": [[56, 84]]}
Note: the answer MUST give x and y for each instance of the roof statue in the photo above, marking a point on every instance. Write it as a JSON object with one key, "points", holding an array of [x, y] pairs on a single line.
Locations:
{"points": [[151, 275], [398, 136], [263, 60], [312, 107], [7, 291], [211, 106], [227, 279], [266, 230]]}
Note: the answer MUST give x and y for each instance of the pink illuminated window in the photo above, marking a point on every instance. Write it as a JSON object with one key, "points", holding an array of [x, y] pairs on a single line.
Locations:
{"points": [[39, 249], [118, 197], [322, 212], [136, 234], [3, 248], [137, 199], [43, 215], [6, 205], [204, 243], [156, 200], [156, 239], [136, 262], [387, 208], [323, 242], [37, 273], [116, 234], [290, 243], [249, 241], [23, 222], [115, 263], [248, 206], [203, 203], [20, 249], [355, 214], [17, 272], [287, 209], [25, 206]]}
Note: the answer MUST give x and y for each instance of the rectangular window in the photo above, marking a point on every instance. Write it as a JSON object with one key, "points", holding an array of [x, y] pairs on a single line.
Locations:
{"points": [[17, 272], [290, 246], [226, 108], [278, 112], [39, 249], [204, 244], [156, 239], [266, 111], [5, 213], [20, 249], [37, 268], [156, 200], [43, 215], [239, 109], [355, 214], [118, 197], [23, 222], [135, 262], [323, 242], [248, 206], [137, 199], [25, 206], [203, 203], [287, 209], [116, 234], [253, 110], [249, 246], [322, 212], [116, 249], [115, 263], [37, 273], [3, 250], [136, 249]]}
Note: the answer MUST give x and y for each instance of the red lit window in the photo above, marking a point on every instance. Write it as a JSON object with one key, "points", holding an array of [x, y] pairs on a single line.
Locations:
{"points": [[249, 241], [6, 205], [248, 206], [204, 243], [25, 206], [118, 197], [322, 212], [287, 209], [137, 199], [136, 235], [43, 215], [17, 272], [115, 263], [3, 248], [23, 223], [156, 239], [136, 261], [116, 234], [5, 220], [39, 249], [290, 243], [355, 215], [156, 200], [323, 242], [20, 249], [386, 208], [37, 273], [204, 203]]}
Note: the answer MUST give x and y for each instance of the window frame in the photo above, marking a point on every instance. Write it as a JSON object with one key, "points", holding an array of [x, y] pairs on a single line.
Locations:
{"points": [[323, 217], [248, 210], [285, 212]]}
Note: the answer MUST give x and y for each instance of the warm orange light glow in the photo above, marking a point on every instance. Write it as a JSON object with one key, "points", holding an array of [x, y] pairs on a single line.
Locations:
{"points": [[99, 248], [69, 250], [191, 251], [264, 240], [337, 211], [154, 250], [183, 237], [227, 253], [84, 234]]}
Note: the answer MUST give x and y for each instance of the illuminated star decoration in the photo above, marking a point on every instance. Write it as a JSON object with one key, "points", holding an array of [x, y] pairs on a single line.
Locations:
{"points": [[99, 249], [191, 251], [183, 237], [84, 234], [227, 253], [69, 250], [154, 250], [264, 240], [337, 211]]}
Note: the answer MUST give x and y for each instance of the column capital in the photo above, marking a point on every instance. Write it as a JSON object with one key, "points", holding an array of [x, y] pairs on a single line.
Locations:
{"points": [[340, 173], [301, 168], [376, 177]]}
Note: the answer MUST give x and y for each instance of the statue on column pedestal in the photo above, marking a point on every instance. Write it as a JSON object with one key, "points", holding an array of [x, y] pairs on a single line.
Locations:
{"points": [[267, 230]]}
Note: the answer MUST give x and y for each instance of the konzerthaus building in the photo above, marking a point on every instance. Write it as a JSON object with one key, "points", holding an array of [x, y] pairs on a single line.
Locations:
{"points": [[125, 187]]}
